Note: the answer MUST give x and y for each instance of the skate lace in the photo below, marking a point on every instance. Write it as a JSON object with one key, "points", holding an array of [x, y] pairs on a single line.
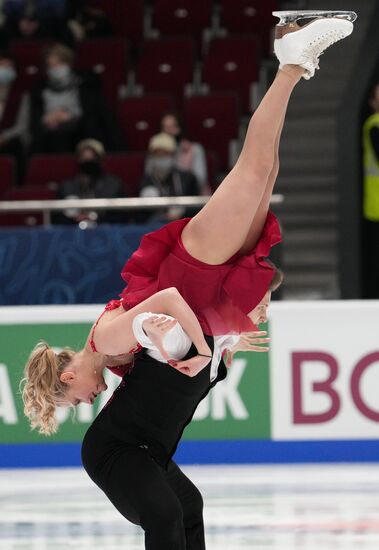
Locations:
{"points": [[321, 43]]}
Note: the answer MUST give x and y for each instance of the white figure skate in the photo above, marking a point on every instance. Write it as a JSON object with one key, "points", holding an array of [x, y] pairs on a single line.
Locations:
{"points": [[302, 36]]}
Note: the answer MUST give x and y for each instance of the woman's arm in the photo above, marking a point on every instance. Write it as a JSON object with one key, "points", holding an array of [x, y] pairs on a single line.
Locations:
{"points": [[116, 336]]}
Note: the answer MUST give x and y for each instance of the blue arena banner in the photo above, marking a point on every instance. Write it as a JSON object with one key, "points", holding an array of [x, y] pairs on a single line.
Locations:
{"points": [[65, 265], [207, 452]]}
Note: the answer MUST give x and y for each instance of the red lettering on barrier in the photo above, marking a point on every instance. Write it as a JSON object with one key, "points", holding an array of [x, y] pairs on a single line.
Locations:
{"points": [[362, 365], [299, 416]]}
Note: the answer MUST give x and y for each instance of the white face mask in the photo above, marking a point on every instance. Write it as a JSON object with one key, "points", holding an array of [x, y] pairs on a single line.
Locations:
{"points": [[161, 166], [60, 74], [7, 75]]}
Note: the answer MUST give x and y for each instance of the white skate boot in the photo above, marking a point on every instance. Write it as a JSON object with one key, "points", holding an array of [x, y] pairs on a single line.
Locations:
{"points": [[302, 36]]}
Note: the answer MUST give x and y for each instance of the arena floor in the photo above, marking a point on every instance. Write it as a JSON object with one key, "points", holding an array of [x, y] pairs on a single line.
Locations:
{"points": [[246, 507]]}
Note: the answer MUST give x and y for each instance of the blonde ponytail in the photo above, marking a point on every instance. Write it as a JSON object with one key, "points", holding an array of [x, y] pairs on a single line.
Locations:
{"points": [[41, 387]]}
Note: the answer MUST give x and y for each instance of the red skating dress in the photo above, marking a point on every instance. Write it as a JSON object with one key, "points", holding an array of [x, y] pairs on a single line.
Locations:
{"points": [[221, 295]]}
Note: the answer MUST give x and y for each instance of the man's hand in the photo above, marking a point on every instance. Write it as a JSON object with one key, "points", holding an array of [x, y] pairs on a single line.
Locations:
{"points": [[191, 367]]}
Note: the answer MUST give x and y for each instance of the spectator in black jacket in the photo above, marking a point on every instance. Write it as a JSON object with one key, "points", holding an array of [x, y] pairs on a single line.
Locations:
{"points": [[163, 179], [68, 107], [91, 182], [14, 113]]}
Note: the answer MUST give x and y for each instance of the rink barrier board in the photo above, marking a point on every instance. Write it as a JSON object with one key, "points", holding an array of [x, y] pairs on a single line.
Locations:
{"points": [[313, 398]]}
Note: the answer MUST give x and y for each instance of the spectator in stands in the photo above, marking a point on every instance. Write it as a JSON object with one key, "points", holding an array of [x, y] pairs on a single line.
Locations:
{"points": [[69, 107], [91, 182], [190, 156], [90, 22], [162, 178], [371, 199], [14, 112], [36, 19]]}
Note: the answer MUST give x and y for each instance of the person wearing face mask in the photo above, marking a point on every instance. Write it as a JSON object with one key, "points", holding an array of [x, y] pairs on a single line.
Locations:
{"points": [[14, 112], [69, 107], [162, 178], [91, 182], [190, 156]]}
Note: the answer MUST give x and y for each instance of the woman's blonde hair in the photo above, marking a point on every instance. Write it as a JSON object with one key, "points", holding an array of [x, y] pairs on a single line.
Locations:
{"points": [[41, 388], [65, 54]]}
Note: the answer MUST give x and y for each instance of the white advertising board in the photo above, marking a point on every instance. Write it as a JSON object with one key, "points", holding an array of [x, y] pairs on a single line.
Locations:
{"points": [[324, 370]]}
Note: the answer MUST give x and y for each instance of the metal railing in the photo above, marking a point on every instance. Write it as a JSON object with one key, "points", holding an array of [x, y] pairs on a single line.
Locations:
{"points": [[49, 206]]}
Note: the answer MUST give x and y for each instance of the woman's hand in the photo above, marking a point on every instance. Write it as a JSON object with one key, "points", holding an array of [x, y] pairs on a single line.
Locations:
{"points": [[191, 367], [155, 328], [250, 341]]}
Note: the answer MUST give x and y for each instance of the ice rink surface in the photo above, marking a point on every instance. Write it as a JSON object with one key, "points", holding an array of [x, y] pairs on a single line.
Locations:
{"points": [[312, 507]]}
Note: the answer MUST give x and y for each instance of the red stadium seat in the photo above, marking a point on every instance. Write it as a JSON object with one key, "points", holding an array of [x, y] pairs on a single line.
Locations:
{"points": [[213, 121], [249, 16], [182, 17], [7, 174], [125, 16], [29, 57], [108, 58], [38, 193], [166, 65], [44, 169], [140, 116], [232, 64], [29, 52], [129, 168]]}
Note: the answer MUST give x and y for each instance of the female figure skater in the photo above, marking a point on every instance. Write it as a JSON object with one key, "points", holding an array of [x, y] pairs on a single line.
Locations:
{"points": [[127, 450]]}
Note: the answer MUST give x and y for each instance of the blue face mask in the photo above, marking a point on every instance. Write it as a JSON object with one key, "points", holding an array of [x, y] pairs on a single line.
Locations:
{"points": [[7, 75]]}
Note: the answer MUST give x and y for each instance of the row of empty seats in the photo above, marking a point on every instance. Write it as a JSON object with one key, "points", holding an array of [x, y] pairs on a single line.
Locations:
{"points": [[188, 18], [164, 65]]}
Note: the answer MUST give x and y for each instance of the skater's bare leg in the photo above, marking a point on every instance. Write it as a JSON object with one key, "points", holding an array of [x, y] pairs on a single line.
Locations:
{"points": [[221, 228], [260, 217], [236, 210]]}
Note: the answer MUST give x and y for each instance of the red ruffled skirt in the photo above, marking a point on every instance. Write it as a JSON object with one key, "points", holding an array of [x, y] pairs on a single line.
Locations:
{"points": [[220, 295]]}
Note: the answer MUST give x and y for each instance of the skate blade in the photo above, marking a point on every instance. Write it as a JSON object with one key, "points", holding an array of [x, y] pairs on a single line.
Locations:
{"points": [[292, 16]]}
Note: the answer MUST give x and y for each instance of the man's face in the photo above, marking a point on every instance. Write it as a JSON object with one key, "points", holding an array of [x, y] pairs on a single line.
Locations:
{"points": [[86, 155], [170, 125], [374, 102]]}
